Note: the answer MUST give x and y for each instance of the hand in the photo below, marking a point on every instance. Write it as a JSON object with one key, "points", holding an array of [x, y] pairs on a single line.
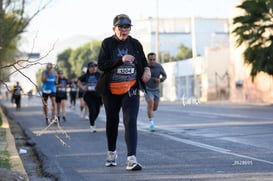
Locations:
{"points": [[128, 58], [146, 75]]}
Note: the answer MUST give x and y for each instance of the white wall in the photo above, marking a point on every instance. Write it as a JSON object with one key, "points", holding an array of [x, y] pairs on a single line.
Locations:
{"points": [[179, 71], [176, 31]]}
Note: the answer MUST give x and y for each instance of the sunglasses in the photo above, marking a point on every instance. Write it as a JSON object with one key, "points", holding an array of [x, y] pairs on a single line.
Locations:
{"points": [[124, 27]]}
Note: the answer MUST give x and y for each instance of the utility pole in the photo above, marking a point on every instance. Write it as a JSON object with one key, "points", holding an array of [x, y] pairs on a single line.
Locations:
{"points": [[157, 33], [193, 38], [194, 55]]}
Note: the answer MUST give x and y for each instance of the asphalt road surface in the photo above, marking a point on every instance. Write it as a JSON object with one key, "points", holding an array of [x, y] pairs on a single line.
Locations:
{"points": [[191, 142]]}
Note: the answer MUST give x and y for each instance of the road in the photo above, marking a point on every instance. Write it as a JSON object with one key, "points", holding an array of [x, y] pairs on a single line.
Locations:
{"points": [[191, 142]]}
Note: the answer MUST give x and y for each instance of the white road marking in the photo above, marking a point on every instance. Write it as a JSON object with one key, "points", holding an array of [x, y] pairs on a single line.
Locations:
{"points": [[212, 148]]}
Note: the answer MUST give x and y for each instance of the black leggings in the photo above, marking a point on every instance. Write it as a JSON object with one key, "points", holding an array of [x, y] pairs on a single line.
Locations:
{"points": [[17, 101], [130, 107], [73, 96], [94, 104]]}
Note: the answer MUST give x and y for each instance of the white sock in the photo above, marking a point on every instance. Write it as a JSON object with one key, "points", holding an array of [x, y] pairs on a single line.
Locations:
{"points": [[131, 158], [151, 121]]}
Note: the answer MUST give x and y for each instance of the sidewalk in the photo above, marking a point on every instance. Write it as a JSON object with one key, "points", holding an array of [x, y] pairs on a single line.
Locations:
{"points": [[17, 172]]}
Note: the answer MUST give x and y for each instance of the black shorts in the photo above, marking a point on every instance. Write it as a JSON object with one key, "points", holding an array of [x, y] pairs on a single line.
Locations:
{"points": [[59, 98], [80, 95], [46, 95]]}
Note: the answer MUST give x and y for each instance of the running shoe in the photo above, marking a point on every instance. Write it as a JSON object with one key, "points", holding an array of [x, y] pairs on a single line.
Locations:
{"points": [[111, 159], [152, 128], [55, 120], [64, 119], [93, 129], [132, 164]]}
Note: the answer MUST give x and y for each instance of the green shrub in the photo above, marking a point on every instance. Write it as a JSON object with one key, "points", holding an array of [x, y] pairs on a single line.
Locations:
{"points": [[4, 160]]}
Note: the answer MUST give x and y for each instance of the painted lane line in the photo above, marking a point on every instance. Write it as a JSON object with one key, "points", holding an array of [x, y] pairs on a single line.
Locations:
{"points": [[213, 148]]}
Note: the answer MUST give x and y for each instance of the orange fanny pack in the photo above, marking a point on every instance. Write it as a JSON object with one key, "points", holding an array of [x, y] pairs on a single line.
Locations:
{"points": [[119, 88]]}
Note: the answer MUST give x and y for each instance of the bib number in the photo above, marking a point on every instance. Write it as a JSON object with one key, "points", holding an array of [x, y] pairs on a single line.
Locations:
{"points": [[61, 89], [47, 91], [91, 88]]}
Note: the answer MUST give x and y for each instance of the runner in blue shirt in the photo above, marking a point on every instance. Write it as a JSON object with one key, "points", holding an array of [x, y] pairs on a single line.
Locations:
{"points": [[49, 79]]}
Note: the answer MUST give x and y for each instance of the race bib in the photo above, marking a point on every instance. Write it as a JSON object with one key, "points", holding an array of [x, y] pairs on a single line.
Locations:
{"points": [[123, 78], [124, 72], [47, 91], [61, 89], [91, 88]]}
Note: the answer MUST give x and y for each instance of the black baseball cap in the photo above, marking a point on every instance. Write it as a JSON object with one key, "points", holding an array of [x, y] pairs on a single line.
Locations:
{"points": [[91, 64], [122, 19]]}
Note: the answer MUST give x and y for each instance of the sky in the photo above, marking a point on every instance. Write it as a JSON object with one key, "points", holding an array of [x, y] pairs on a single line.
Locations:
{"points": [[66, 18]]}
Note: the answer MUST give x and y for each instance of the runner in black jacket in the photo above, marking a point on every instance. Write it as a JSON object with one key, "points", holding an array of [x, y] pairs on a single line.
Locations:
{"points": [[121, 57]]}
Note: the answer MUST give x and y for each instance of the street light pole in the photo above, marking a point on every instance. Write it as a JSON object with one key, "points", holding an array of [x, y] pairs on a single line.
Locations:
{"points": [[193, 37], [194, 56], [157, 33]]}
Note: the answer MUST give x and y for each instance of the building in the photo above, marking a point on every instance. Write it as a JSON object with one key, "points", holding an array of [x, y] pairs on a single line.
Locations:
{"points": [[216, 71], [196, 33], [196, 78]]}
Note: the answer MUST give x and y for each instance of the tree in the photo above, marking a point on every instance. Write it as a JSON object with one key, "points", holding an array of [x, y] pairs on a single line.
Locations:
{"points": [[38, 76], [63, 63], [254, 31], [79, 58], [72, 61], [183, 52], [13, 21]]}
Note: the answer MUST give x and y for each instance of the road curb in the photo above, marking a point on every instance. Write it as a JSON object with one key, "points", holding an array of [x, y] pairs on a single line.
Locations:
{"points": [[15, 159]]}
